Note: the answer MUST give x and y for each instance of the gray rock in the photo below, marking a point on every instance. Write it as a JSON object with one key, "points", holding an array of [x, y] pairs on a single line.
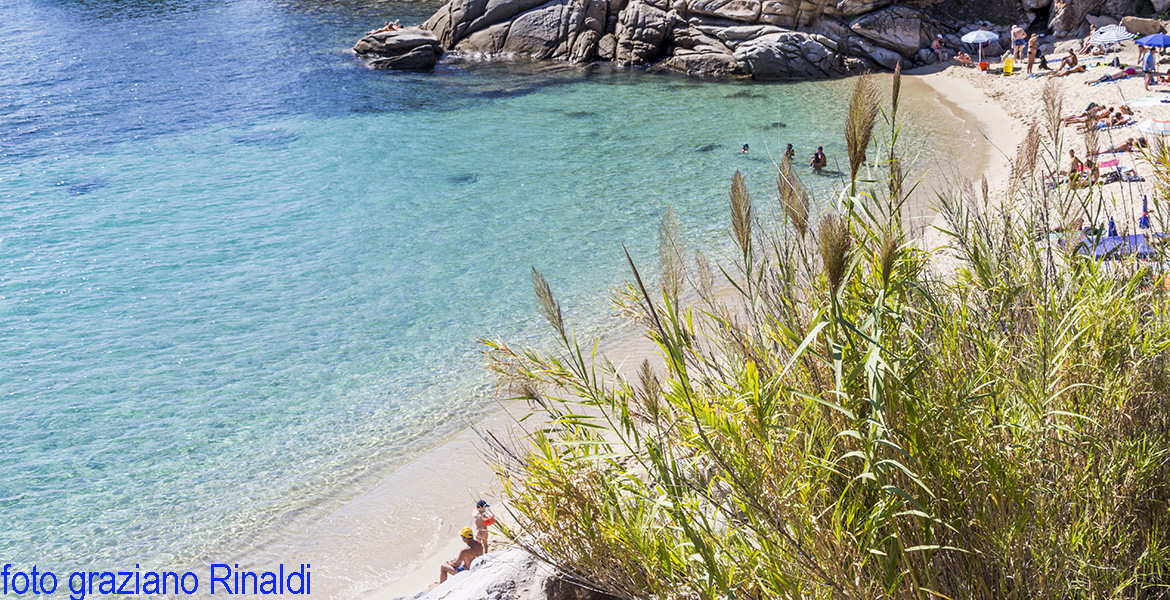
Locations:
{"points": [[421, 58], [1037, 4], [925, 56], [745, 32], [510, 574], [790, 55], [747, 11], [641, 31], [393, 43], [1100, 21], [863, 47], [853, 8], [1160, 5], [607, 47], [703, 64], [897, 28]]}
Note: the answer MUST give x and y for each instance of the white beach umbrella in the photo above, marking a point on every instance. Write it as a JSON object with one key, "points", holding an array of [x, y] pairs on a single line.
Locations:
{"points": [[1111, 34], [980, 36], [1159, 127]]}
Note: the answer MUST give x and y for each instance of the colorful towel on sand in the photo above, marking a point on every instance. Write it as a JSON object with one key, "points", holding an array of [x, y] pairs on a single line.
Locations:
{"points": [[1109, 163]]}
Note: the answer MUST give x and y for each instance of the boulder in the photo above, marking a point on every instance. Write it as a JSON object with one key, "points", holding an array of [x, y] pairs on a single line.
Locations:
{"points": [[747, 11], [1100, 21], [422, 58], [854, 8], [789, 55], [607, 47], [703, 64], [641, 31], [1142, 27], [859, 46], [745, 32], [510, 574], [897, 28], [409, 49], [1160, 5], [393, 43], [1034, 5], [925, 56], [783, 13]]}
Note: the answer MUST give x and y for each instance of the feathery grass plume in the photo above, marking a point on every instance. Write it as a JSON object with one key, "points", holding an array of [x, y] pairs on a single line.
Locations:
{"points": [[793, 197], [859, 122], [986, 188], [549, 308], [1092, 137], [888, 253], [1027, 157], [897, 92], [706, 275], [742, 214], [651, 390], [834, 242], [1052, 101], [897, 177], [670, 253]]}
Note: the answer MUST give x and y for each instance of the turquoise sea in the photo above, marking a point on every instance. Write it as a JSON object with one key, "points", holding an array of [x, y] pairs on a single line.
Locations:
{"points": [[242, 275]]}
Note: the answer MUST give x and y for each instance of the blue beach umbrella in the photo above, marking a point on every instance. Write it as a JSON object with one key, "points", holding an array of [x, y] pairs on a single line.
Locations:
{"points": [[1158, 40], [1144, 222], [1112, 228]]}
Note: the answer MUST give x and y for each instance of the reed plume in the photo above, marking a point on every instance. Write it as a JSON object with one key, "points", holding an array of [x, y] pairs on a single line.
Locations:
{"points": [[670, 255], [741, 215], [834, 242], [859, 123], [550, 309], [794, 197]]}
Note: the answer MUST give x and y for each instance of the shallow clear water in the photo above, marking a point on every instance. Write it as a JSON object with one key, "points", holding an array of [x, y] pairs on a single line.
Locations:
{"points": [[241, 274]]}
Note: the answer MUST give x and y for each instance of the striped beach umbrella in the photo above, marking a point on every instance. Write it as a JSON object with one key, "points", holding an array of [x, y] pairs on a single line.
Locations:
{"points": [[981, 37], [1111, 34], [1159, 127]]}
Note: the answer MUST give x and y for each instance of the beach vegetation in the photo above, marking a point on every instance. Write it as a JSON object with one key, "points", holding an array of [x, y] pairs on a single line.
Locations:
{"points": [[842, 410]]}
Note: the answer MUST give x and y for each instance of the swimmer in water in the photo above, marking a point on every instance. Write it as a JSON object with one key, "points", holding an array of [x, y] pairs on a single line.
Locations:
{"points": [[744, 150], [790, 153]]}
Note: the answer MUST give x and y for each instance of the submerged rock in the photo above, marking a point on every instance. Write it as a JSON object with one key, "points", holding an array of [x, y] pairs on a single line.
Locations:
{"points": [[408, 49]]}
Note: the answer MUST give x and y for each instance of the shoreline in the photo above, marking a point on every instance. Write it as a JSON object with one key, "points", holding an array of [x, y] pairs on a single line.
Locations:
{"points": [[445, 471]]}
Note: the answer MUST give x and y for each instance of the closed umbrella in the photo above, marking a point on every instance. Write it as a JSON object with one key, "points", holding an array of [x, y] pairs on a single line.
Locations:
{"points": [[1111, 34], [1112, 228], [1158, 40], [1144, 222], [980, 36], [1155, 127]]}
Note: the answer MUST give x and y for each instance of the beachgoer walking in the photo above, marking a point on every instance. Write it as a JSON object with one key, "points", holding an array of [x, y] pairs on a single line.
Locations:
{"points": [[1149, 65], [462, 562], [481, 518], [1019, 42], [819, 160], [1033, 49]]}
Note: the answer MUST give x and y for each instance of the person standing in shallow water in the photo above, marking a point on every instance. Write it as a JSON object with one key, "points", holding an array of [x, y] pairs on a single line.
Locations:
{"points": [[790, 153], [819, 160]]}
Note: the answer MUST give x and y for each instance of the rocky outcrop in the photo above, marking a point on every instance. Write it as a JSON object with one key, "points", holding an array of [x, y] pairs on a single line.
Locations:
{"points": [[510, 574], [764, 39], [409, 49], [1142, 27]]}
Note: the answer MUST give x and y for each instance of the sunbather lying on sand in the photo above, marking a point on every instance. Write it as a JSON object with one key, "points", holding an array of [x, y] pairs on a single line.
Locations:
{"points": [[1069, 71], [1114, 76], [1129, 145], [1091, 114]]}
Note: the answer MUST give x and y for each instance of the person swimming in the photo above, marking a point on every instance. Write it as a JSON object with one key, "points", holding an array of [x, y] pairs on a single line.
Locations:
{"points": [[744, 150], [819, 161]]}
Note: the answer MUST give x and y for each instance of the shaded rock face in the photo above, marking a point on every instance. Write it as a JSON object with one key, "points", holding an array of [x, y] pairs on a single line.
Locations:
{"points": [[897, 28], [791, 55], [409, 49]]}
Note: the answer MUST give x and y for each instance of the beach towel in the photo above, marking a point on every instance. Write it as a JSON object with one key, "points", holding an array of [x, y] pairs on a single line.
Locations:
{"points": [[1109, 163], [1148, 101], [1102, 127], [1110, 81]]}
